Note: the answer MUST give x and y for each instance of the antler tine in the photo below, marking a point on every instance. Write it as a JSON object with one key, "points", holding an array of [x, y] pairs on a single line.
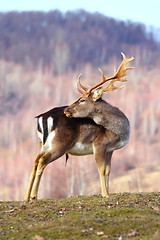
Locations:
{"points": [[79, 86], [120, 73], [111, 87], [99, 84]]}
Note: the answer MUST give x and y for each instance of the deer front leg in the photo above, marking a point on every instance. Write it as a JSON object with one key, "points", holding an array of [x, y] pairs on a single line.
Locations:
{"points": [[103, 161], [107, 171], [104, 168]]}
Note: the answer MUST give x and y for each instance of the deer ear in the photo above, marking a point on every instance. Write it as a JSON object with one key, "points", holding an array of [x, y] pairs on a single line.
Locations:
{"points": [[97, 94]]}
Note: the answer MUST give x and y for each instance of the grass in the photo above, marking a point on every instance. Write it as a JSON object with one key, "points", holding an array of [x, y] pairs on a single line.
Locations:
{"points": [[121, 216]]}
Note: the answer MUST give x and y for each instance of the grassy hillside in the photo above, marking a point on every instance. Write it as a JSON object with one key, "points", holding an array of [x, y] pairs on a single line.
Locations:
{"points": [[121, 216]]}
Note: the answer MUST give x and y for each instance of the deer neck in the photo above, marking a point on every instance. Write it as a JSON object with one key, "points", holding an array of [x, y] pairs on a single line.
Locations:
{"points": [[99, 113]]}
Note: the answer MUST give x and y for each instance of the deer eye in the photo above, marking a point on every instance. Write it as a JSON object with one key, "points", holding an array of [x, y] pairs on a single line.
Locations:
{"points": [[82, 100]]}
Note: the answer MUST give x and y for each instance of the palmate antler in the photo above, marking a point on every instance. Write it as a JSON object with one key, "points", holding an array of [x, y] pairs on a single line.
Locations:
{"points": [[118, 76]]}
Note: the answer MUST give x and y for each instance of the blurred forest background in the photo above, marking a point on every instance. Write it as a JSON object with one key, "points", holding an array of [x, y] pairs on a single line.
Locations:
{"points": [[41, 55]]}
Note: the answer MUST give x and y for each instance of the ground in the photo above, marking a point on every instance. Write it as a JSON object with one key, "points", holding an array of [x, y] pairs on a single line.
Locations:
{"points": [[121, 216]]}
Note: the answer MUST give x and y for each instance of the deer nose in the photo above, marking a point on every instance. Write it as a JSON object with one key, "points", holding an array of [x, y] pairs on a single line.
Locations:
{"points": [[68, 111]]}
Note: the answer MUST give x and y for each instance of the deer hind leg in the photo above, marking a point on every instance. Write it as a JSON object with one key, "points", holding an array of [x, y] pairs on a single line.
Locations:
{"points": [[36, 173], [42, 163], [32, 177]]}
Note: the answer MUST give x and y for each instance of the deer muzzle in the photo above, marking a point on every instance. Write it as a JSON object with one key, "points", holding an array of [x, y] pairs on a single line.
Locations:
{"points": [[68, 111]]}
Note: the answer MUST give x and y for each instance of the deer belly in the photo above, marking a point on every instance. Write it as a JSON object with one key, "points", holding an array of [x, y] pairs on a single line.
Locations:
{"points": [[80, 149]]}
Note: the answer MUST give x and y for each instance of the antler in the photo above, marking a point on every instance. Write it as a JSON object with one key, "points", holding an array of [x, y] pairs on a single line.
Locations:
{"points": [[79, 85], [118, 76], [120, 73]]}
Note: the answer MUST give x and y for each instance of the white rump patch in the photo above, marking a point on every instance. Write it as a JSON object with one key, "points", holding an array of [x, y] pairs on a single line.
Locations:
{"points": [[40, 135], [49, 124], [49, 142], [40, 121], [81, 149]]}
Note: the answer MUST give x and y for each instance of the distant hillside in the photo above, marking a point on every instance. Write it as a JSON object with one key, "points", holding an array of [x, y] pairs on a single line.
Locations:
{"points": [[68, 41]]}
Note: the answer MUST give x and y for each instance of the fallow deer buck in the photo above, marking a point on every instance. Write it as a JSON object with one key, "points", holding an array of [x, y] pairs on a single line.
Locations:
{"points": [[88, 126]]}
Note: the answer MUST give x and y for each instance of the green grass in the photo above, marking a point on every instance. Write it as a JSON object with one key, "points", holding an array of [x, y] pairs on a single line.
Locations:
{"points": [[121, 216]]}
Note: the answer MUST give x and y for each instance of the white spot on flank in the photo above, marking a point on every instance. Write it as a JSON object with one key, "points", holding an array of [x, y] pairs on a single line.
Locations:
{"points": [[49, 142], [49, 124], [40, 120]]}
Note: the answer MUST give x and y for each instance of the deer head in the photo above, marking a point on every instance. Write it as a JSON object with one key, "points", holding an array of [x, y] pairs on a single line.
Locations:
{"points": [[85, 105]]}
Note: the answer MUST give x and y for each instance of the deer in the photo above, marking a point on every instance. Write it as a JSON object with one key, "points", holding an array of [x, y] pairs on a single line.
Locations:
{"points": [[90, 125]]}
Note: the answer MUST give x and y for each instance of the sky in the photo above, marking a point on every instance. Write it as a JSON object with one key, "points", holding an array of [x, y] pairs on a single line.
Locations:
{"points": [[143, 11]]}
